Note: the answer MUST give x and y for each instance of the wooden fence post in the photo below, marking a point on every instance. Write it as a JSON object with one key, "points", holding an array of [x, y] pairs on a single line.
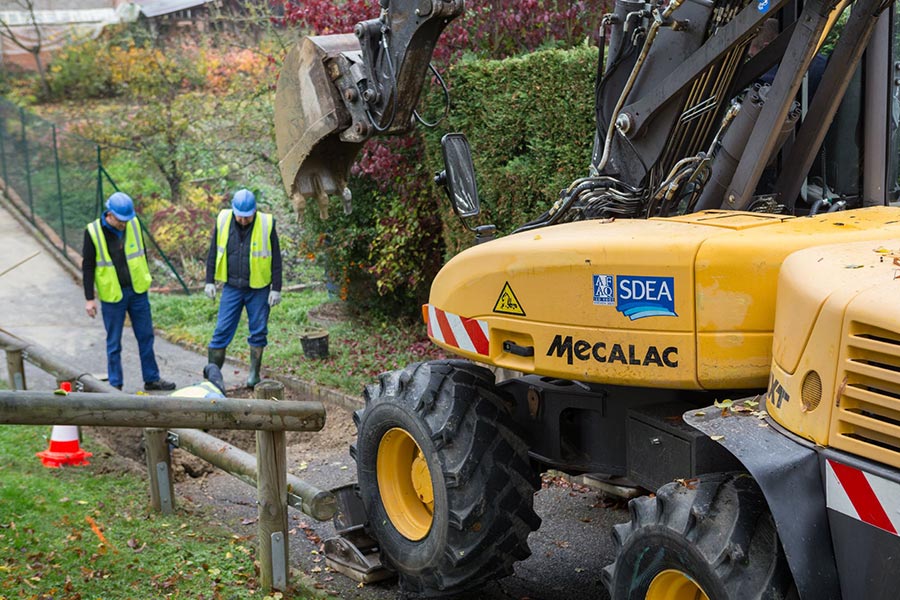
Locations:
{"points": [[271, 494], [15, 364], [159, 466]]}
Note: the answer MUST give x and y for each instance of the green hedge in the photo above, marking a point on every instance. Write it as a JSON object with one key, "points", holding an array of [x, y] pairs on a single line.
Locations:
{"points": [[530, 123]]}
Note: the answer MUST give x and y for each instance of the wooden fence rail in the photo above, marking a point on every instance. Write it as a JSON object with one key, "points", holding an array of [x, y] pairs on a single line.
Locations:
{"points": [[127, 410]]}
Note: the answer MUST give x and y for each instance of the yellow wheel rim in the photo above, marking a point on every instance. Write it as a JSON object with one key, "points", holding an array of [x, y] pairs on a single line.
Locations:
{"points": [[404, 482], [672, 584]]}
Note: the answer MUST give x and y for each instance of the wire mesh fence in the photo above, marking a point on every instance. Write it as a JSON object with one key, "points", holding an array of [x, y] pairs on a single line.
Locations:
{"points": [[55, 178]]}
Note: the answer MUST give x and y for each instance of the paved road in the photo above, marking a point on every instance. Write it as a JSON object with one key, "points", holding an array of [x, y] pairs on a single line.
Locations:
{"points": [[42, 302]]}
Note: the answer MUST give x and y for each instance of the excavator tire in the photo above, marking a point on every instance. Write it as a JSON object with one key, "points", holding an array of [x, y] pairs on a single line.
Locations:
{"points": [[445, 479], [707, 539]]}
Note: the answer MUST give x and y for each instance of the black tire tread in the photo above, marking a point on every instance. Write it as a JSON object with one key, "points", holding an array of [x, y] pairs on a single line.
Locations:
{"points": [[727, 535], [484, 462]]}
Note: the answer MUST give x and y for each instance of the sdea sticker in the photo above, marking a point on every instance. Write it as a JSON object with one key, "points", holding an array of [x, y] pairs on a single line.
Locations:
{"points": [[640, 297], [636, 296], [762, 6], [507, 303]]}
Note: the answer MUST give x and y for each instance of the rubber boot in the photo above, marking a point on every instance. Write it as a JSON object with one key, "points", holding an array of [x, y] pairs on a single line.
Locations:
{"points": [[256, 353], [216, 356]]}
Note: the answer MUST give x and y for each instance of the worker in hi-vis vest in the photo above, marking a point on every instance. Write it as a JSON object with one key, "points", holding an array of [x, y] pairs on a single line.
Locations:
{"points": [[115, 261], [245, 256]]}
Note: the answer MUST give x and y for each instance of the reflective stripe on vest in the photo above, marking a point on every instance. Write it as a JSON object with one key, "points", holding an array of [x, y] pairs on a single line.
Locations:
{"points": [[108, 287], [260, 248], [199, 390]]}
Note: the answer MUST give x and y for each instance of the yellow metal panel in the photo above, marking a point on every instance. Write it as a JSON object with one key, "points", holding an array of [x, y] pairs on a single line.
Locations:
{"points": [[820, 290], [869, 395], [719, 270], [742, 360], [736, 282], [730, 219]]}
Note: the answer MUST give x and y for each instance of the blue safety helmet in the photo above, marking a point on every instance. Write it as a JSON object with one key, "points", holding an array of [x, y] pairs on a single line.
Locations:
{"points": [[243, 203], [121, 206]]}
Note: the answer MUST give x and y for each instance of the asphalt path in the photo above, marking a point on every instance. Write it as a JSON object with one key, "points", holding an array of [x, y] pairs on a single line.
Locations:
{"points": [[569, 550], [42, 302]]}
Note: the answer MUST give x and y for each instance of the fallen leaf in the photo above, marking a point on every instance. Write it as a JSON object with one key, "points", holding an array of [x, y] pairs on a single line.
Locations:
{"points": [[99, 533], [716, 438], [699, 413], [723, 404]]}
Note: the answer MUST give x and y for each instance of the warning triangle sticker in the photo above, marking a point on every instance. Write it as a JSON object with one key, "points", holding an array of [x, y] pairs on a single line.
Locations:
{"points": [[507, 303]]}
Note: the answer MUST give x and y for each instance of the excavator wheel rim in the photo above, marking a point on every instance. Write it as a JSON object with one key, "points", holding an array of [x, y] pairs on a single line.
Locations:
{"points": [[404, 481], [673, 584]]}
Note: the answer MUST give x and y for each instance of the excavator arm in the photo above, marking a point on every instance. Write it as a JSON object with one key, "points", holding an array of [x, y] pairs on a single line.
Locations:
{"points": [[337, 91]]}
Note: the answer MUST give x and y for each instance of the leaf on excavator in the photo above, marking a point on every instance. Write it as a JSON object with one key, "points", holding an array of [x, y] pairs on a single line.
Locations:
{"points": [[688, 483]]}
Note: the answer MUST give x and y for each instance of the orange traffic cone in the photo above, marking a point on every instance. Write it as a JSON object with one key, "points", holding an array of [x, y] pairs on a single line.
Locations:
{"points": [[64, 448]]}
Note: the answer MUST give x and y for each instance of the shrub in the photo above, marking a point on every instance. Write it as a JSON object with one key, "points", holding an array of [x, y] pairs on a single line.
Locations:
{"points": [[81, 70], [133, 177], [183, 232], [524, 152]]}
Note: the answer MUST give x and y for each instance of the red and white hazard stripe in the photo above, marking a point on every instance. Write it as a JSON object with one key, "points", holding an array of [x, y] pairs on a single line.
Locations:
{"points": [[863, 496], [470, 335]]}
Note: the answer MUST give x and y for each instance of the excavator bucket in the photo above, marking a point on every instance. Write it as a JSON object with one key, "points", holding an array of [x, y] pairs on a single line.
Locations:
{"points": [[310, 118]]}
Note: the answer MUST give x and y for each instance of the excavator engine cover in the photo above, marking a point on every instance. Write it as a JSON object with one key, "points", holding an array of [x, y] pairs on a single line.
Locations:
{"points": [[311, 120]]}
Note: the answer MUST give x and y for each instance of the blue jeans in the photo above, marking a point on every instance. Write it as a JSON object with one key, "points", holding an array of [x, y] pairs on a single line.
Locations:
{"points": [[233, 299], [137, 306]]}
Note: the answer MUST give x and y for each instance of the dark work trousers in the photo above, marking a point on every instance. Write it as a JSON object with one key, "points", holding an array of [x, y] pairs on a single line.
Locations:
{"points": [[137, 306], [234, 299]]}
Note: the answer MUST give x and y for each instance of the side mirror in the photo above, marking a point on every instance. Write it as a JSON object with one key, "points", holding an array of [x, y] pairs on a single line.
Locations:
{"points": [[458, 176]]}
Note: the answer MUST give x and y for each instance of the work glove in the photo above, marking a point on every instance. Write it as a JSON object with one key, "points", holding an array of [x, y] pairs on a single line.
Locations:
{"points": [[210, 291], [274, 298]]}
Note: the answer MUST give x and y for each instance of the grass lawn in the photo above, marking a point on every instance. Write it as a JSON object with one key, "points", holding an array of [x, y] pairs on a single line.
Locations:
{"points": [[81, 533], [359, 349]]}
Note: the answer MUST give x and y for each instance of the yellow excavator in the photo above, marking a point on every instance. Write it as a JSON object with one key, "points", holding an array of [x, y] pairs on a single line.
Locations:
{"points": [[712, 313]]}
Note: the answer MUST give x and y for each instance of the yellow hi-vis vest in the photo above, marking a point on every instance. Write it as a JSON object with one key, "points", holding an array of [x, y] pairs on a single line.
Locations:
{"points": [[105, 278], [204, 389], [260, 248]]}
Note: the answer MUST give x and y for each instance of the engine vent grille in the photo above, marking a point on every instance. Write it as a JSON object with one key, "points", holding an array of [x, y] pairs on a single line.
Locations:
{"points": [[868, 416]]}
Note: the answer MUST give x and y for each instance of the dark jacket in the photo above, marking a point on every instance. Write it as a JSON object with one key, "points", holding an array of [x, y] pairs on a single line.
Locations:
{"points": [[237, 253], [116, 244]]}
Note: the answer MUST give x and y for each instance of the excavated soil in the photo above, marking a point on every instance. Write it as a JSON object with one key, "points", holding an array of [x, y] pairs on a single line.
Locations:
{"points": [[127, 442]]}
